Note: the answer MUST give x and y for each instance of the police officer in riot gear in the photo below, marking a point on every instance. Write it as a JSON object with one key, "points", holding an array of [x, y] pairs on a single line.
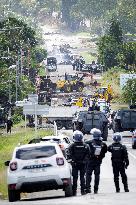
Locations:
{"points": [[120, 161], [9, 125], [97, 153], [78, 153]]}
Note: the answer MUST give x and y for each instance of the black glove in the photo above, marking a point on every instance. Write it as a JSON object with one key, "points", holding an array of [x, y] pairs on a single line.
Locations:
{"points": [[126, 165], [69, 160]]}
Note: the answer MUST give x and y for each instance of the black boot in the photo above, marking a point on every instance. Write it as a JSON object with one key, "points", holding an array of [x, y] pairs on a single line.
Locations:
{"points": [[126, 187], [95, 190], [88, 191], [117, 187], [74, 192], [117, 190], [83, 192]]}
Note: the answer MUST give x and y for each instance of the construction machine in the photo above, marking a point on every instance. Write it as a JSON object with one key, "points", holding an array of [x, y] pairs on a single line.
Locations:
{"points": [[105, 93], [70, 83]]}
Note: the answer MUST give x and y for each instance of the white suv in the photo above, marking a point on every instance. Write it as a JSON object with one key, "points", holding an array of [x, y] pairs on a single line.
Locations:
{"points": [[62, 140], [38, 167]]}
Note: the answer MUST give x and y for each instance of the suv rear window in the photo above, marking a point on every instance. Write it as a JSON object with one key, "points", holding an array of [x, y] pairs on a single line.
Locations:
{"points": [[35, 152], [51, 139]]}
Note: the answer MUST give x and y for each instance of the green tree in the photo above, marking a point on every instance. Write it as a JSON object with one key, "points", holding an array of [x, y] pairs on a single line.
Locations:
{"points": [[129, 91], [108, 49], [66, 8], [129, 52], [116, 31], [16, 35]]}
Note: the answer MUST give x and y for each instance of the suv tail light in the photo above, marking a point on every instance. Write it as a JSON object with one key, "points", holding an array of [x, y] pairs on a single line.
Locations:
{"points": [[60, 161], [13, 166], [12, 186], [61, 146]]}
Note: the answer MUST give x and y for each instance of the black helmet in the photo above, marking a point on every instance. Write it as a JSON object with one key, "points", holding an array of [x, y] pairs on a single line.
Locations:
{"points": [[96, 133], [117, 137], [78, 136]]}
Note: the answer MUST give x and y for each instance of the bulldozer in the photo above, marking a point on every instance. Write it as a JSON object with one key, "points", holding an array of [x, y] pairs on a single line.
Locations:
{"points": [[105, 93], [70, 83]]}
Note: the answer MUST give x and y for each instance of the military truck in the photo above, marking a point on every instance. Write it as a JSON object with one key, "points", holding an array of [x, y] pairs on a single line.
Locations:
{"points": [[62, 115], [86, 120], [46, 84], [51, 64], [124, 120]]}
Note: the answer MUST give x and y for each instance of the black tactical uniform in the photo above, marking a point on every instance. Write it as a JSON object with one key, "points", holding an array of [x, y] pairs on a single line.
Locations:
{"points": [[120, 161], [78, 153], [97, 150], [9, 125]]}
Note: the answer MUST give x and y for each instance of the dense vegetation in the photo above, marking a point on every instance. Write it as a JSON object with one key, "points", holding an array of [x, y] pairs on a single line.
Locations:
{"points": [[118, 57], [75, 12], [22, 45], [114, 51], [20, 56], [129, 91]]}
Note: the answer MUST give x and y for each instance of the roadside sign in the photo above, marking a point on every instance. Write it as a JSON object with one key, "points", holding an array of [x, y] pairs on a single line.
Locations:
{"points": [[33, 98], [125, 77], [22, 103], [35, 109]]}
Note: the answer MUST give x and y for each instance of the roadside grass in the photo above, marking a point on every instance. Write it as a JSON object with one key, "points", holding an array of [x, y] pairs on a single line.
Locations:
{"points": [[83, 34], [88, 57], [42, 71], [112, 77], [7, 144], [116, 106]]}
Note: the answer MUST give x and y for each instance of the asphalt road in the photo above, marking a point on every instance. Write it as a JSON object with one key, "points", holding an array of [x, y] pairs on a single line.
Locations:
{"points": [[106, 195]]}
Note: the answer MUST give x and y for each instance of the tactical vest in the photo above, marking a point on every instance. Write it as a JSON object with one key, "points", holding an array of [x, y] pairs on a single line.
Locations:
{"points": [[79, 152], [117, 152], [96, 149]]}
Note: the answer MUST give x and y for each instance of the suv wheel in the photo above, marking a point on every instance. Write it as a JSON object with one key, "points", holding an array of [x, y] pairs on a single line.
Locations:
{"points": [[67, 88], [105, 133], [68, 190], [133, 146], [80, 88], [69, 125], [13, 195], [59, 124]]}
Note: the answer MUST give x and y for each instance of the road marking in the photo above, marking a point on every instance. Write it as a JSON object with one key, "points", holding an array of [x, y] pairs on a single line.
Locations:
{"points": [[132, 155]]}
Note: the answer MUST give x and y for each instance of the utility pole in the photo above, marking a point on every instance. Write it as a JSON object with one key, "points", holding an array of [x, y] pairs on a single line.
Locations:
{"points": [[9, 86], [17, 80]]}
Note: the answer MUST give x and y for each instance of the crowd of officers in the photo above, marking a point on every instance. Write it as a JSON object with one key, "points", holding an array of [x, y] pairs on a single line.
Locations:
{"points": [[86, 158]]}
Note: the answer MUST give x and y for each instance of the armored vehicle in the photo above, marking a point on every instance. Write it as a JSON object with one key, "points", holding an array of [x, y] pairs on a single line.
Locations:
{"points": [[46, 84], [86, 120], [124, 120], [51, 64]]}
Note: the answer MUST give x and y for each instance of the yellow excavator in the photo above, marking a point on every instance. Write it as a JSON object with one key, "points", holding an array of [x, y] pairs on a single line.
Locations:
{"points": [[105, 93], [70, 83]]}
